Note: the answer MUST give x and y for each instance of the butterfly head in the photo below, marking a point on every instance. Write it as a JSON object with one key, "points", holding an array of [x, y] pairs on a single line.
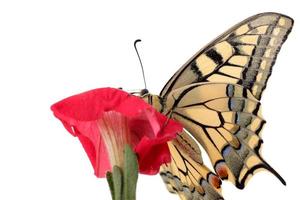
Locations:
{"points": [[140, 93]]}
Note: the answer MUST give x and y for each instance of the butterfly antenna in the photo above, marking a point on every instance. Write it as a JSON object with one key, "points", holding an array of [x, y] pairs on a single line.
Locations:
{"points": [[135, 42]]}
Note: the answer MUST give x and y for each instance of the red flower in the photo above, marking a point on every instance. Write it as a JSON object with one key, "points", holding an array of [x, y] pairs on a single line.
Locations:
{"points": [[106, 112]]}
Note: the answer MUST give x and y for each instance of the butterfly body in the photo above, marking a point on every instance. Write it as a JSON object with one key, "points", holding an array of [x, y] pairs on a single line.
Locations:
{"points": [[216, 97], [154, 100]]}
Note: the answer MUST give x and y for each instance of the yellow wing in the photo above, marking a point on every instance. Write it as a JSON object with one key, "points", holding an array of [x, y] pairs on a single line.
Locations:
{"points": [[216, 94], [186, 175], [226, 120], [243, 55]]}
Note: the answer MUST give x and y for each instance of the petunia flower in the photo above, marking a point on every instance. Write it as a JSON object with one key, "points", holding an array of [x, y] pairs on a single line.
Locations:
{"points": [[106, 119]]}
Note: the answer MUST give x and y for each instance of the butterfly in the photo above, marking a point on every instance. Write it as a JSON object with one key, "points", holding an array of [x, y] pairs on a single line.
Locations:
{"points": [[216, 97]]}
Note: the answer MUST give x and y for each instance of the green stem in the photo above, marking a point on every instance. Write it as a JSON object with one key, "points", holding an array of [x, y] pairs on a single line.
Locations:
{"points": [[115, 182], [122, 182], [130, 174], [118, 182]]}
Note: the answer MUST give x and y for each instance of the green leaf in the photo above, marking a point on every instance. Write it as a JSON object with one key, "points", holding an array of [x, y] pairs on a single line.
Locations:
{"points": [[109, 178], [117, 182], [130, 174]]}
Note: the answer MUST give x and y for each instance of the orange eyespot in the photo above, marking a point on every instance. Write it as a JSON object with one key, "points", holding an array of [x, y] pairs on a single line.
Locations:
{"points": [[214, 180], [222, 171]]}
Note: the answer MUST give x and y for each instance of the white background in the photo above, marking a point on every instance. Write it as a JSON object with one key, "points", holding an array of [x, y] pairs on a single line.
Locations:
{"points": [[53, 49]]}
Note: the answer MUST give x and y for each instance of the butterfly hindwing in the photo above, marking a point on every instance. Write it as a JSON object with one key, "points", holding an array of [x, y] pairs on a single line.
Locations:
{"points": [[244, 55], [226, 120], [186, 175]]}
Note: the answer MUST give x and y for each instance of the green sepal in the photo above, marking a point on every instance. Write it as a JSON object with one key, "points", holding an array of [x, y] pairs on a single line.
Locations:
{"points": [[117, 182], [109, 178], [130, 174]]}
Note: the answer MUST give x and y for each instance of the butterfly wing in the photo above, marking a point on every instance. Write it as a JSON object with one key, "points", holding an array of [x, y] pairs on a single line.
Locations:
{"points": [[226, 120], [216, 94], [186, 175], [243, 55]]}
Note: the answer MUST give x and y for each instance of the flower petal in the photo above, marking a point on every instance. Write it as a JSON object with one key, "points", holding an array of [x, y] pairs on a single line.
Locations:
{"points": [[153, 151], [90, 105], [150, 129], [151, 155]]}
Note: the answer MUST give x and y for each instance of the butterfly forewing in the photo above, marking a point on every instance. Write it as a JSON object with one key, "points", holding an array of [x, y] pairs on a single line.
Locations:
{"points": [[244, 55]]}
